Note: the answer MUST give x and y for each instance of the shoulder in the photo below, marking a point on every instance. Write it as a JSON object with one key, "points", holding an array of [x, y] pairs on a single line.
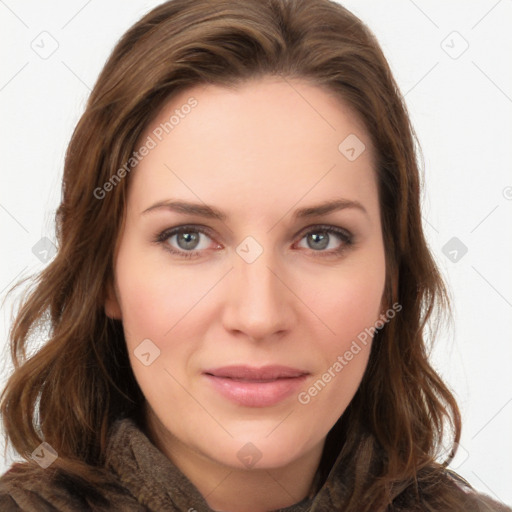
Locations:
{"points": [[33, 489], [443, 489], [482, 502]]}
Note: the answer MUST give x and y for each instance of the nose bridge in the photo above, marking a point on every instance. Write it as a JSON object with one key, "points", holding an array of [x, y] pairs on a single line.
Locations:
{"points": [[259, 301]]}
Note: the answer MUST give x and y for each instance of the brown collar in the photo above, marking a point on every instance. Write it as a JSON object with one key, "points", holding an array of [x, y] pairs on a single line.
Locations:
{"points": [[152, 478]]}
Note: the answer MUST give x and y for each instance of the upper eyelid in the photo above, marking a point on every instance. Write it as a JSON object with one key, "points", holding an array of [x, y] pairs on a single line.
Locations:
{"points": [[168, 233]]}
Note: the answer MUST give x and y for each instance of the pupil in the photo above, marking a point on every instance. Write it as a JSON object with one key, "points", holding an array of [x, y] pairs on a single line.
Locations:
{"points": [[191, 240], [323, 239]]}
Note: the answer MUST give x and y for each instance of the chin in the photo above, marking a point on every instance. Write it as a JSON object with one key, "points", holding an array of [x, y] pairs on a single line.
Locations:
{"points": [[258, 452]]}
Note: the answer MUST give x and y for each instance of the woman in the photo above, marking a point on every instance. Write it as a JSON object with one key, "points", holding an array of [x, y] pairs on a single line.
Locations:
{"points": [[242, 282]]}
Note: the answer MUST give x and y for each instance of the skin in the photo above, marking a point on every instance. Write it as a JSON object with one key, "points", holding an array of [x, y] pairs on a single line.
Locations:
{"points": [[257, 153]]}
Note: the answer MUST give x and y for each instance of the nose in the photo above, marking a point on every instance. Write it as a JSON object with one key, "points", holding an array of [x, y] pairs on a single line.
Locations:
{"points": [[260, 305]]}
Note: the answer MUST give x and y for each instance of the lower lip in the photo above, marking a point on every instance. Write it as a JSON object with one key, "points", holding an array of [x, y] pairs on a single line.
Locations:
{"points": [[256, 394]]}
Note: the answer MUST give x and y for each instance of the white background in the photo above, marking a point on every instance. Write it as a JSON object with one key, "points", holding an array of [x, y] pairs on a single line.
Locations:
{"points": [[461, 109]]}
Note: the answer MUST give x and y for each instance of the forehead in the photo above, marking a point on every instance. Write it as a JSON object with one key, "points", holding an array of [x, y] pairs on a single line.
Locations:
{"points": [[267, 139], [291, 108]]}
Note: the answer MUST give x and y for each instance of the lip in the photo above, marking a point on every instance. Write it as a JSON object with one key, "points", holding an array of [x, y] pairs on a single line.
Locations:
{"points": [[256, 387]]}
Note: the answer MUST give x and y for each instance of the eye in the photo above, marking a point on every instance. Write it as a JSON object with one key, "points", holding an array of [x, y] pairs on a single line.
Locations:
{"points": [[190, 241], [186, 238], [321, 237]]}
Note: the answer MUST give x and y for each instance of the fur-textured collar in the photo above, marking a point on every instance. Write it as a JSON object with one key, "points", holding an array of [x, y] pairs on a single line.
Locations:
{"points": [[145, 480]]}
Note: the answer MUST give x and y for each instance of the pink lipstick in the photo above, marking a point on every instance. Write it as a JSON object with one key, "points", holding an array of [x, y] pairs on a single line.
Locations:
{"points": [[256, 387]]}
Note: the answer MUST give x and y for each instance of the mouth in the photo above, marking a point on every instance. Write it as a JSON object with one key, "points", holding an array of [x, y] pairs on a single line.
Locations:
{"points": [[256, 387]]}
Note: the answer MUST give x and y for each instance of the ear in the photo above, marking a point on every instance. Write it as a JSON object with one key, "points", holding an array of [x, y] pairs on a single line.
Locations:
{"points": [[112, 307]]}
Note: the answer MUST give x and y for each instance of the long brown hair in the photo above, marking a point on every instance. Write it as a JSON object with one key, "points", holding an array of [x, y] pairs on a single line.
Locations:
{"points": [[70, 391]]}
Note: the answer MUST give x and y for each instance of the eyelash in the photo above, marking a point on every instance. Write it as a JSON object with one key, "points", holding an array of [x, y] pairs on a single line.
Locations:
{"points": [[345, 236]]}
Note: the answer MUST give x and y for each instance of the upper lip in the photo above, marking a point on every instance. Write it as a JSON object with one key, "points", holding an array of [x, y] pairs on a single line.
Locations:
{"points": [[271, 372]]}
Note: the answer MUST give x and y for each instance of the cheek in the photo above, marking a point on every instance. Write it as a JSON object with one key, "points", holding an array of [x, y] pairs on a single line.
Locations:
{"points": [[154, 307], [159, 303], [156, 298], [329, 393], [356, 305], [350, 306], [350, 313], [351, 302]]}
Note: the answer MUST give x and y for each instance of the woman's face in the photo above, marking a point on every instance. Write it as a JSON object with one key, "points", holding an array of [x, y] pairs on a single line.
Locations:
{"points": [[246, 328]]}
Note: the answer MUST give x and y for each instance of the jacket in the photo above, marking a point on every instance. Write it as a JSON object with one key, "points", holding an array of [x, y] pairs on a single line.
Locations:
{"points": [[146, 481]]}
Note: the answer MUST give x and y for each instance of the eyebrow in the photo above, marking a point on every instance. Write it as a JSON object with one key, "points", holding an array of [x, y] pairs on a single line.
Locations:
{"points": [[210, 212]]}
